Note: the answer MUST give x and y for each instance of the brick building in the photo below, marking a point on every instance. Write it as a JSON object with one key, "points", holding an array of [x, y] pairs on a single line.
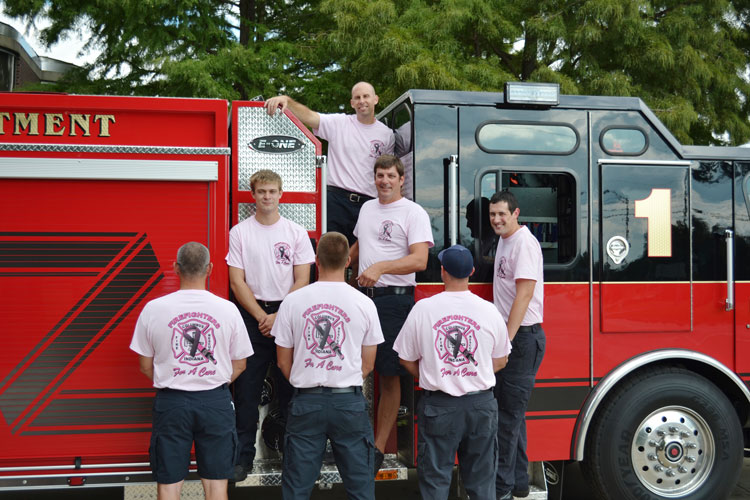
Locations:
{"points": [[21, 65]]}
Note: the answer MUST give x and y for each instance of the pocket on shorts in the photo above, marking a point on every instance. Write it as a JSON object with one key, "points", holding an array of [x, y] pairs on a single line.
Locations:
{"points": [[438, 420]]}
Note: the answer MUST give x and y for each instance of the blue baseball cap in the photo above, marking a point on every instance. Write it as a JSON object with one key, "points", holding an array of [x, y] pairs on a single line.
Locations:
{"points": [[457, 261]]}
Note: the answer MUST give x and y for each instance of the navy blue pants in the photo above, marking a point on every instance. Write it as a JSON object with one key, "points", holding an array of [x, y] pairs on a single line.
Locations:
{"points": [[248, 388], [342, 418], [343, 213], [512, 390], [466, 426]]}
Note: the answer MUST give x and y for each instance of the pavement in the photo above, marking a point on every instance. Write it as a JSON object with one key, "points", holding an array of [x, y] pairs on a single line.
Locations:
{"points": [[387, 490]]}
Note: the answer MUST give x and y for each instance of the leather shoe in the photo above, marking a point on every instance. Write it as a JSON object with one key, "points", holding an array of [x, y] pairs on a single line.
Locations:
{"points": [[505, 496], [378, 460], [520, 493]]}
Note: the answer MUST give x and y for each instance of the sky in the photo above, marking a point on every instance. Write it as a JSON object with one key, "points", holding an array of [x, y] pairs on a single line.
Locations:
{"points": [[66, 50]]}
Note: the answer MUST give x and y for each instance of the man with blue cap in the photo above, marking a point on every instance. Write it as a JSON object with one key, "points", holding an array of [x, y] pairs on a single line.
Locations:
{"points": [[454, 342]]}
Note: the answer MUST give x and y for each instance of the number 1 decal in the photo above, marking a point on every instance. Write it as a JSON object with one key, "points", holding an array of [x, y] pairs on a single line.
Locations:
{"points": [[657, 208]]}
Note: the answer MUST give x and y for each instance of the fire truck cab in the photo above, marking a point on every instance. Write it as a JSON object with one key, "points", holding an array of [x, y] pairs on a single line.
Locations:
{"points": [[647, 287]]}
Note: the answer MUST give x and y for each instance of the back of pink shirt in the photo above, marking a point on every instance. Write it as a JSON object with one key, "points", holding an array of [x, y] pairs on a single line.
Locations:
{"points": [[352, 150], [327, 323], [454, 336], [385, 232], [193, 336], [268, 255], [519, 256]]}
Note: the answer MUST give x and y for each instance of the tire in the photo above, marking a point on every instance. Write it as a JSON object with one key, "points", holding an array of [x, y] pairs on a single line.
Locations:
{"points": [[664, 433]]}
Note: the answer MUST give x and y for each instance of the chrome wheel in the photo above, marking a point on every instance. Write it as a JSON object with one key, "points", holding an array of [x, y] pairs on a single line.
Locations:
{"points": [[673, 451]]}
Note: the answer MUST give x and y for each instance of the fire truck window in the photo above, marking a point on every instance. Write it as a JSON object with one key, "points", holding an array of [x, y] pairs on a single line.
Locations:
{"points": [[514, 137], [547, 203], [746, 190], [403, 146], [548, 209], [623, 141]]}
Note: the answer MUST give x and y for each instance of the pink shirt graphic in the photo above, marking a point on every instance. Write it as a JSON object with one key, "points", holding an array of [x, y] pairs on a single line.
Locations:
{"points": [[327, 323], [454, 336], [352, 150], [268, 255], [385, 232], [519, 256], [193, 336]]}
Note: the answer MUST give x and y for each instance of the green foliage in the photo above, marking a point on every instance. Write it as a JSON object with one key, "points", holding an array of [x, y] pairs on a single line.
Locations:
{"points": [[687, 59]]}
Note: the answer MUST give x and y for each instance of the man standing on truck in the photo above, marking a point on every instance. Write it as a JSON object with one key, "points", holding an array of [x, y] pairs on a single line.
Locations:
{"points": [[454, 342], [192, 344], [354, 142], [393, 239], [518, 291], [269, 256], [326, 337]]}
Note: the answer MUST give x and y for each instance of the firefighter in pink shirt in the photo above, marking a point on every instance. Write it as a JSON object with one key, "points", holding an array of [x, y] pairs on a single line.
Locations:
{"points": [[326, 339], [454, 342], [518, 291], [354, 142], [394, 236], [192, 344], [269, 256]]}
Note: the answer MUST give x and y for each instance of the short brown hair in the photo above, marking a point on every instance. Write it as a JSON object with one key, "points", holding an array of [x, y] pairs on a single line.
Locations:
{"points": [[387, 161], [333, 250], [264, 176], [507, 197]]}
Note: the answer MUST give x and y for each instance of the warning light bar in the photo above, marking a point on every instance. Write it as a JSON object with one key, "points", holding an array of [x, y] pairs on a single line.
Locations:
{"points": [[546, 94]]}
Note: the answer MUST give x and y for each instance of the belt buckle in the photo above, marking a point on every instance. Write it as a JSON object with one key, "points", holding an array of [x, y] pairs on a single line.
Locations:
{"points": [[354, 197], [370, 292]]}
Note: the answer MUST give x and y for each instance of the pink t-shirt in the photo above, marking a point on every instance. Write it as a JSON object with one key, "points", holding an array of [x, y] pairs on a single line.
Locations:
{"points": [[352, 150], [454, 336], [327, 323], [385, 232], [193, 336], [519, 256], [268, 255]]}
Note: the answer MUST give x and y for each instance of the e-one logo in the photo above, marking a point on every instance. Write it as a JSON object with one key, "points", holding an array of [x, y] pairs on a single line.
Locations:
{"points": [[276, 144]]}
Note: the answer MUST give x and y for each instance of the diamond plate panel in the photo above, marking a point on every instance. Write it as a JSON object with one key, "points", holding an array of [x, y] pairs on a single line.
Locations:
{"points": [[297, 169], [302, 213], [268, 472]]}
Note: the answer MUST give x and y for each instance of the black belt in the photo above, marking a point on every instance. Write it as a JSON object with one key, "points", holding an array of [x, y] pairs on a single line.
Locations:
{"points": [[222, 387], [441, 393], [351, 195], [329, 390], [269, 304], [379, 291], [528, 328]]}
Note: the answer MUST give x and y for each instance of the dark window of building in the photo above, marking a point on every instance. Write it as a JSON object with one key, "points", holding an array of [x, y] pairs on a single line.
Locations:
{"points": [[7, 70]]}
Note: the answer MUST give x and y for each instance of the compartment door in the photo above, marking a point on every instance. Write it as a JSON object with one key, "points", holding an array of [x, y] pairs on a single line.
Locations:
{"points": [[645, 245]]}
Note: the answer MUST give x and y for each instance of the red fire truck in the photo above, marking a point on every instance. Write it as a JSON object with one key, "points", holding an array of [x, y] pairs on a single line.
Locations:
{"points": [[645, 371]]}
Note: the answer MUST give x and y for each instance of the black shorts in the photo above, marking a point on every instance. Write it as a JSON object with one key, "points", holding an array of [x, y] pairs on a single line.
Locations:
{"points": [[392, 311], [181, 418]]}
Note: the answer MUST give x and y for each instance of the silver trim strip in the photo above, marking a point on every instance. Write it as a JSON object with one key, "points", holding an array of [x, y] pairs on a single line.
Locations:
{"points": [[73, 467], [453, 199], [105, 169], [99, 148], [729, 238], [615, 376], [662, 163], [322, 162], [590, 231]]}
